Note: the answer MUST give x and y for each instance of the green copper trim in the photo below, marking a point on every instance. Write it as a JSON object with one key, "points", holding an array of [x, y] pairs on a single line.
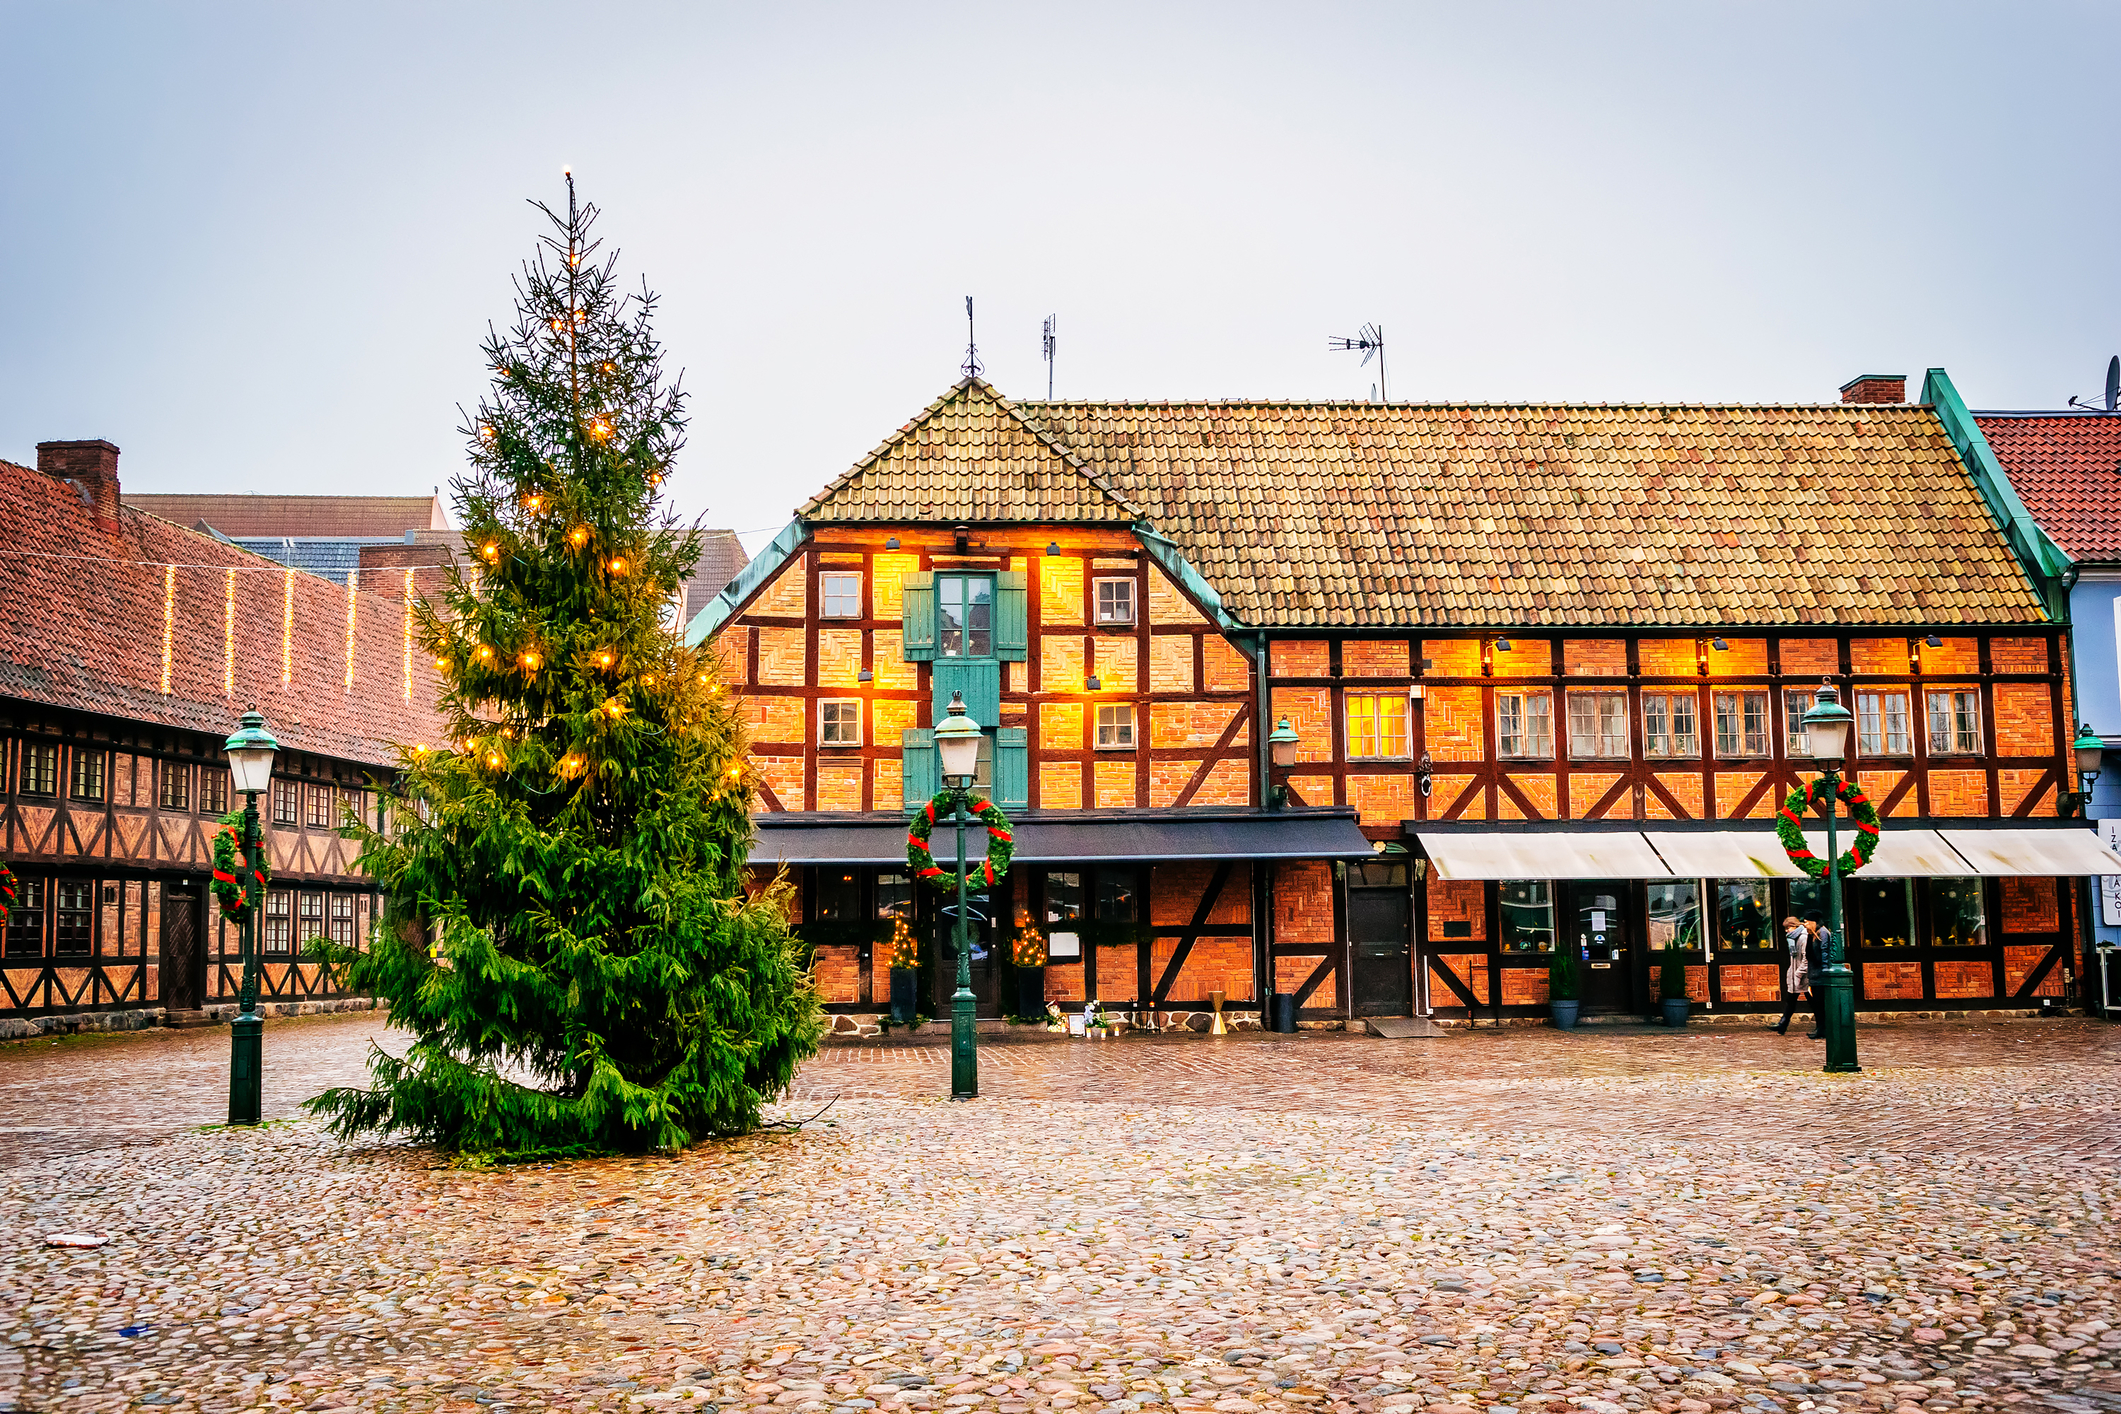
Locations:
{"points": [[723, 606]]}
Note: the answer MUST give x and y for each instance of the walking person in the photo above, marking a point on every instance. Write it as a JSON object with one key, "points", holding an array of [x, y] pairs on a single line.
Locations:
{"points": [[1803, 948]]}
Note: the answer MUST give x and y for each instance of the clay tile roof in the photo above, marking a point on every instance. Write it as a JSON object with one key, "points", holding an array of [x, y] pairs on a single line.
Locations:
{"points": [[970, 457], [239, 516], [2066, 467], [82, 626], [721, 556], [1405, 514]]}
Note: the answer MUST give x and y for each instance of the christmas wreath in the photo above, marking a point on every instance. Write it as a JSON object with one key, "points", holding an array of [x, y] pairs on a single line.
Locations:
{"points": [[228, 859], [7, 887], [1789, 827], [979, 877]]}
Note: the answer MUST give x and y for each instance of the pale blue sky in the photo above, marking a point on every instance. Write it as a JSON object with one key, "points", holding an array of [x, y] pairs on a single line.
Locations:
{"points": [[256, 245]]}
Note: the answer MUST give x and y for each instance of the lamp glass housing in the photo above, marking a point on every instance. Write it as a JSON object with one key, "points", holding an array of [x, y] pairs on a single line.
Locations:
{"points": [[1283, 742], [2089, 751], [958, 740], [1826, 728], [250, 752]]}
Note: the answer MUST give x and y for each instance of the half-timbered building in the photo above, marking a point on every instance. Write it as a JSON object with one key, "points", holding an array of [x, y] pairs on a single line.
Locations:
{"points": [[1544, 664], [129, 645]]}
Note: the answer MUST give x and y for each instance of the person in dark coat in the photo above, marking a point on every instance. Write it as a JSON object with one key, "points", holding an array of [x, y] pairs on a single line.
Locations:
{"points": [[1805, 959]]}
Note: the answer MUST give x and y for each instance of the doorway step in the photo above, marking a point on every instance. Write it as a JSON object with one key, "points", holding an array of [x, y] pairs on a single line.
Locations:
{"points": [[1403, 1028], [188, 1020]]}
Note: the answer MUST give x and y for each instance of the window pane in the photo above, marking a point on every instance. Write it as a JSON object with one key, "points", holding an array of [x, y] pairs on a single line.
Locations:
{"points": [[73, 920], [1064, 897], [25, 922], [979, 618], [1956, 916], [1675, 916], [1884, 912], [176, 786], [279, 921], [842, 595], [213, 790], [1115, 725], [1527, 910], [88, 773], [1115, 896], [1795, 705], [1808, 897], [838, 896], [1509, 725], [1656, 724], [1742, 919], [1391, 725], [1362, 724], [894, 896], [1686, 733], [1896, 737], [1539, 724], [950, 615]]}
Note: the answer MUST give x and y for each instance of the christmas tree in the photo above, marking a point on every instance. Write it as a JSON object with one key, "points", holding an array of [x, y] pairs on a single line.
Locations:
{"points": [[568, 938]]}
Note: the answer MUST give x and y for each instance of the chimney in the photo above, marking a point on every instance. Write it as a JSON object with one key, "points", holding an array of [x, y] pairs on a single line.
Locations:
{"points": [[1875, 388], [91, 466]]}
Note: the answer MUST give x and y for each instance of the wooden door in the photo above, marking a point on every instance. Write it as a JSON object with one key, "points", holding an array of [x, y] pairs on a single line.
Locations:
{"points": [[1380, 938], [183, 953], [1598, 925]]}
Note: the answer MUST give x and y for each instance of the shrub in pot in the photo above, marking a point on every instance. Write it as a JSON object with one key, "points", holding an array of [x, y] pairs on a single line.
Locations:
{"points": [[1563, 1001], [1671, 983], [901, 953]]}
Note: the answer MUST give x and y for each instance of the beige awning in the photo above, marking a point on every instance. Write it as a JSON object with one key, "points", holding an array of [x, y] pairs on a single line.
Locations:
{"points": [[2044, 853], [1723, 854], [1902, 853], [1620, 854]]}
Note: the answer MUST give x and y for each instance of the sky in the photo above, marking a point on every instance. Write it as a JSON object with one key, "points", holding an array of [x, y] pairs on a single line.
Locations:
{"points": [[256, 246]]}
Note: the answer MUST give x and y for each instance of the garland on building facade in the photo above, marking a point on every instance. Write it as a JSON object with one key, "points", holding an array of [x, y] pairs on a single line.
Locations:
{"points": [[228, 860], [1001, 847], [1789, 827], [7, 887]]}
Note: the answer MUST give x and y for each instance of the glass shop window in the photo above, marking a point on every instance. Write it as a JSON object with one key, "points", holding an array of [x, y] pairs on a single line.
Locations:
{"points": [[1598, 725], [1387, 871], [1958, 915], [1955, 723], [1807, 897], [839, 896], [341, 930], [964, 616], [1377, 725], [1064, 896], [87, 783], [1744, 916], [1795, 740], [1884, 909], [839, 595], [213, 790], [1741, 724], [1527, 915], [1524, 725], [279, 921], [1669, 726], [176, 785], [40, 768], [1118, 899], [74, 918], [894, 896], [1881, 724], [25, 921], [1675, 916]]}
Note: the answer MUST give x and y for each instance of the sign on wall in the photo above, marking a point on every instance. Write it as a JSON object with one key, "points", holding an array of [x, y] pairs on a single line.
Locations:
{"points": [[2110, 884]]}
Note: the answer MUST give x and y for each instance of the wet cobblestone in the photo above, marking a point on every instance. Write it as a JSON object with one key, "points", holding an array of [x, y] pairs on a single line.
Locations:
{"points": [[1524, 1223]]}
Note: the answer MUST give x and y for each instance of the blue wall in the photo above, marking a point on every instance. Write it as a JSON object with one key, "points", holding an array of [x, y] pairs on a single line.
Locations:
{"points": [[2093, 638]]}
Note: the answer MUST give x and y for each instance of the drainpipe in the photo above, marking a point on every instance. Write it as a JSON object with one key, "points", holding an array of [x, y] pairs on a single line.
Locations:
{"points": [[1263, 964], [2088, 954]]}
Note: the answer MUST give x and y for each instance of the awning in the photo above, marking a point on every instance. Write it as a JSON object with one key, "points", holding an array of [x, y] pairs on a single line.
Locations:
{"points": [[1556, 855], [1723, 854], [1902, 853], [1283, 835], [2045, 853]]}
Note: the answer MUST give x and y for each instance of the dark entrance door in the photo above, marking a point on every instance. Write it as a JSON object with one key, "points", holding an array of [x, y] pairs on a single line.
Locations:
{"points": [[183, 975], [1597, 921], [1380, 938], [986, 961]]}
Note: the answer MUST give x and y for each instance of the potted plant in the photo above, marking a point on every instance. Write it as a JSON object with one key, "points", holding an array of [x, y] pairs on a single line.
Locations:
{"points": [[1095, 1024], [1671, 982], [1562, 997], [901, 953], [1027, 953]]}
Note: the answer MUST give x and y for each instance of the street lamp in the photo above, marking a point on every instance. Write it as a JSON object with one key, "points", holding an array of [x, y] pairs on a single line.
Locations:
{"points": [[250, 752], [958, 741], [1826, 728], [1281, 743], [2091, 754]]}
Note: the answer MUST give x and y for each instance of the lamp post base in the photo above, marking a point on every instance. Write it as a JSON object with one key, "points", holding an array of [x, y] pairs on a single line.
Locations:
{"points": [[1837, 1018], [246, 1068], [964, 1059]]}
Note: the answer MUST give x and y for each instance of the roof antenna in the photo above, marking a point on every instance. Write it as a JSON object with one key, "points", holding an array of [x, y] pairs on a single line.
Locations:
{"points": [[2112, 396], [1371, 340], [972, 367], [1049, 343]]}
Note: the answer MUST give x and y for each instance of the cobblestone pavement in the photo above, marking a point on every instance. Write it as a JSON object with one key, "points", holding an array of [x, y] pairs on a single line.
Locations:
{"points": [[1523, 1223]]}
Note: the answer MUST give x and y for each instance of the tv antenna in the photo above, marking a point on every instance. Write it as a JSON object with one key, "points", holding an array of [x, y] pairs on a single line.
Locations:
{"points": [[971, 367], [1371, 340], [2113, 388], [1048, 344]]}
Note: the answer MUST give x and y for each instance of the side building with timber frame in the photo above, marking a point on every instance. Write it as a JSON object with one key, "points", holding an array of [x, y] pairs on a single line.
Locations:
{"points": [[1544, 664], [129, 646]]}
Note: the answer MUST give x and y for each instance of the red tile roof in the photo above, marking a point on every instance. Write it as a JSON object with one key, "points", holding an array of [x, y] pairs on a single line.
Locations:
{"points": [[2066, 467], [82, 626], [335, 516]]}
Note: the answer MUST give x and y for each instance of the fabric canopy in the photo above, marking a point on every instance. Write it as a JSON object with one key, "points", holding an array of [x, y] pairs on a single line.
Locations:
{"points": [[2043, 853], [1902, 853], [1723, 854], [1282, 835], [1514, 855]]}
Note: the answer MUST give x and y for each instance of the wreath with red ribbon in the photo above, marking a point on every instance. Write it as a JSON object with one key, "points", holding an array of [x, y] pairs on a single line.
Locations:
{"points": [[7, 887], [228, 860], [1789, 826], [1001, 846]]}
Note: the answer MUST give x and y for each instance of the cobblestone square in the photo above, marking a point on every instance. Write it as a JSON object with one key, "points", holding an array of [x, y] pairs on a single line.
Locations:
{"points": [[1515, 1222]]}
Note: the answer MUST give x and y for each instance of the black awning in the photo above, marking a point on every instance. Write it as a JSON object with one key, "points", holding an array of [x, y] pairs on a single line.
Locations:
{"points": [[1283, 835]]}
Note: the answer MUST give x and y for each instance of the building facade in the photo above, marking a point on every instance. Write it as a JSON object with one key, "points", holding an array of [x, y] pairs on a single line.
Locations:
{"points": [[1543, 665], [129, 646]]}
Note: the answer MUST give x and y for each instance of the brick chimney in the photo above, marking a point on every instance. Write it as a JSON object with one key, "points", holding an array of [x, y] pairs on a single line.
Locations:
{"points": [[1875, 388], [91, 466]]}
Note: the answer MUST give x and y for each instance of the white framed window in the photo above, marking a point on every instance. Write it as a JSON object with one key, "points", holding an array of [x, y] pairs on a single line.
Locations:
{"points": [[1115, 601], [1796, 741], [1377, 725], [1524, 725], [1598, 725], [839, 595], [1881, 724], [1955, 722], [1115, 726], [1671, 724], [1741, 724], [839, 722]]}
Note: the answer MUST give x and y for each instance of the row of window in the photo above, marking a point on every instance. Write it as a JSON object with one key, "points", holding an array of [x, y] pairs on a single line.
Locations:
{"points": [[1879, 913], [1111, 894], [320, 915], [965, 607], [185, 787], [67, 928], [1599, 727], [839, 723]]}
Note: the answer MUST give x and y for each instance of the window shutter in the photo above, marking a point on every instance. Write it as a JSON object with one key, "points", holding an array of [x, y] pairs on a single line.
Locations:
{"points": [[980, 681], [920, 770], [1011, 638], [1012, 768], [918, 592]]}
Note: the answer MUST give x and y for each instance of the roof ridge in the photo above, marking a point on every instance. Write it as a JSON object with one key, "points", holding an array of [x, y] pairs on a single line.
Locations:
{"points": [[1357, 404]]}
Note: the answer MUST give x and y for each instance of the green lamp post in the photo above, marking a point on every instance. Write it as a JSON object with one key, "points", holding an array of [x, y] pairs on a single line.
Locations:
{"points": [[958, 740], [250, 753], [1281, 746], [2091, 754], [1826, 728]]}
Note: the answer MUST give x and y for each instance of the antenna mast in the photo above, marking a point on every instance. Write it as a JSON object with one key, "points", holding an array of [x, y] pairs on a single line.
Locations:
{"points": [[1371, 340], [971, 367], [1050, 342]]}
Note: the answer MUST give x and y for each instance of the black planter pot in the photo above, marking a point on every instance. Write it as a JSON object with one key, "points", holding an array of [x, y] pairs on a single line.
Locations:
{"points": [[1031, 991], [905, 993]]}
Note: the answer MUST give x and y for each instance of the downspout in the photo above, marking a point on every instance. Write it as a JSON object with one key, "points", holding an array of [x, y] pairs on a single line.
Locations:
{"points": [[1263, 964]]}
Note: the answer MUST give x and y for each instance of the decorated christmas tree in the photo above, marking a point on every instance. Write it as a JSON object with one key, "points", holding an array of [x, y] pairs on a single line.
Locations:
{"points": [[568, 935]]}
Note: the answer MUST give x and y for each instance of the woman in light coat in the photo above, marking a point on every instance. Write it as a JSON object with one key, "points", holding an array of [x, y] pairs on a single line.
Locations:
{"points": [[1803, 950]]}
